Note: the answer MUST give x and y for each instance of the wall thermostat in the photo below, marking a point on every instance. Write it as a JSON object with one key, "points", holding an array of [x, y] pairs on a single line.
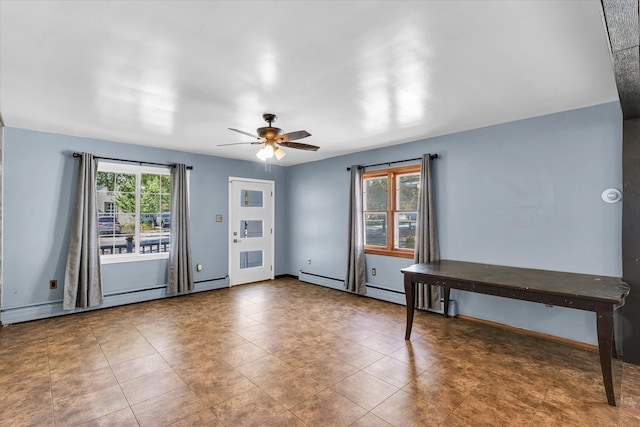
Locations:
{"points": [[611, 195]]}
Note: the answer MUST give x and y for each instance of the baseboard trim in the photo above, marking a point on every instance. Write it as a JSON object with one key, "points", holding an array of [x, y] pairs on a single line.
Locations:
{"points": [[46, 310], [566, 341]]}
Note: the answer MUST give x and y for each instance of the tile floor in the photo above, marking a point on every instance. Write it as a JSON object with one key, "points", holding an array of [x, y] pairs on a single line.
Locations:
{"points": [[285, 353]]}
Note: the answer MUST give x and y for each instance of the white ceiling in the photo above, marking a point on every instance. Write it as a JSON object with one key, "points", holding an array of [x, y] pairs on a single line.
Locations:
{"points": [[355, 74]]}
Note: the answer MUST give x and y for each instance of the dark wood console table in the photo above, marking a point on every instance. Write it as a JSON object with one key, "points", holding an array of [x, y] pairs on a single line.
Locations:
{"points": [[600, 294]]}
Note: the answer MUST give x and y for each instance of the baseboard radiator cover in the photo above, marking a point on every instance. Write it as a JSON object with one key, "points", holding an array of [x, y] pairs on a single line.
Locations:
{"points": [[49, 309], [373, 291], [317, 279]]}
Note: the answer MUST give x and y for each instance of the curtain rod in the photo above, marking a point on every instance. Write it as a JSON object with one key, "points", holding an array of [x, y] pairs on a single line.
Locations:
{"points": [[131, 161], [433, 156]]}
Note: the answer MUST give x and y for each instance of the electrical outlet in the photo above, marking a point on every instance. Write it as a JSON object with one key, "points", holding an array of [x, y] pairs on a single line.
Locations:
{"points": [[53, 284], [199, 267], [373, 271], [309, 261]]}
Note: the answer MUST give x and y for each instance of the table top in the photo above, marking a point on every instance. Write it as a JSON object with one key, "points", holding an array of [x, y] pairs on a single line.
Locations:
{"points": [[599, 288]]}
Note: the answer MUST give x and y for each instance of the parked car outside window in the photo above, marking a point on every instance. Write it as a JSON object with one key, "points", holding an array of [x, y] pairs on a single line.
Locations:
{"points": [[164, 220], [108, 225]]}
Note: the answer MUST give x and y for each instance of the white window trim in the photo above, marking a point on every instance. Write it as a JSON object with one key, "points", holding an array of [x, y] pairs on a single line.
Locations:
{"points": [[138, 170]]}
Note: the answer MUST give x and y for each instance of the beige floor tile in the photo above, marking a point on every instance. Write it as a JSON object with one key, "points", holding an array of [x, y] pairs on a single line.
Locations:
{"points": [[393, 371], [291, 388], [383, 343], [81, 381], [85, 407], [328, 371], [225, 384], [128, 352], [242, 354], [407, 409], [250, 408], [284, 419], [139, 367], [328, 408], [356, 355], [151, 385], [255, 332], [122, 418], [199, 419], [168, 408], [28, 417], [16, 403], [365, 389], [370, 420], [301, 355]]}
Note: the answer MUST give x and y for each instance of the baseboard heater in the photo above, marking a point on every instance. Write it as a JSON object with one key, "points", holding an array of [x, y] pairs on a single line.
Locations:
{"points": [[210, 280], [453, 308], [373, 291], [318, 279], [48, 309]]}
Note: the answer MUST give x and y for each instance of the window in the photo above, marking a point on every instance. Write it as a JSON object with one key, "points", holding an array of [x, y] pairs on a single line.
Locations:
{"points": [[135, 221], [391, 210]]}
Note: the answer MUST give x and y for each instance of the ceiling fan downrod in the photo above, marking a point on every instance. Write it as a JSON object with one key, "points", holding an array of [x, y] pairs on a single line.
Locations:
{"points": [[269, 118]]}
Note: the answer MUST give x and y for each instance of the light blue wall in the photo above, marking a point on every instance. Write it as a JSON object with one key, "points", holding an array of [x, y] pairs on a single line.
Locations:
{"points": [[39, 180], [522, 194]]}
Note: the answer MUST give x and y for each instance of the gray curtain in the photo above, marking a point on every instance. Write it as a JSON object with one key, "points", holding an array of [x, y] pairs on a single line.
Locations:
{"points": [[356, 277], [83, 275], [426, 249], [180, 273]]}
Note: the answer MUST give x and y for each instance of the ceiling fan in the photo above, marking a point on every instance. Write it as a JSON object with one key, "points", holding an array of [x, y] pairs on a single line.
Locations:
{"points": [[272, 138]]}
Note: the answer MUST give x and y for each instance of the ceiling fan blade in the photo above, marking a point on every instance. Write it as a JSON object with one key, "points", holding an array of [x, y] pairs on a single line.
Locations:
{"points": [[239, 143], [298, 145], [244, 133], [292, 136]]}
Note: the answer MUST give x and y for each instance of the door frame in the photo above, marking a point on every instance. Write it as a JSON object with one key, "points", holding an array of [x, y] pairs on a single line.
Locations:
{"points": [[231, 219]]}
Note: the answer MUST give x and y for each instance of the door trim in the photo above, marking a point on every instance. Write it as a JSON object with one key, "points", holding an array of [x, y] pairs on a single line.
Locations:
{"points": [[230, 227]]}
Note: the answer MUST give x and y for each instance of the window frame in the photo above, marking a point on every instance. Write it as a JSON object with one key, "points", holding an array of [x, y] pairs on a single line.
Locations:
{"points": [[392, 209], [138, 170]]}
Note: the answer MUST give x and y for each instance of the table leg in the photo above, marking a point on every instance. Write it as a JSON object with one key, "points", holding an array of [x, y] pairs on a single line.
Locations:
{"points": [[408, 292], [446, 291], [605, 348]]}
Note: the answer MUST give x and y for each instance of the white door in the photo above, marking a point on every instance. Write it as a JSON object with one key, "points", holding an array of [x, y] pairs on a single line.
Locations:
{"points": [[251, 213]]}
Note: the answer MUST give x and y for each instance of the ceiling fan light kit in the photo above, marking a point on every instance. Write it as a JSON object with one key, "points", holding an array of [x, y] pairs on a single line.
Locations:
{"points": [[262, 154], [279, 153], [268, 152], [273, 139]]}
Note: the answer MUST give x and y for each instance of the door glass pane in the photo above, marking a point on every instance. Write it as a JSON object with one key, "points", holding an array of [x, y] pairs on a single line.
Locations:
{"points": [[407, 189], [250, 259], [375, 225], [250, 199], [406, 230], [250, 228], [376, 194]]}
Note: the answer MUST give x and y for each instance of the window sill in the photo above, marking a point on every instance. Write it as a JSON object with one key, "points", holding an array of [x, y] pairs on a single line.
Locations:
{"points": [[117, 259], [385, 252]]}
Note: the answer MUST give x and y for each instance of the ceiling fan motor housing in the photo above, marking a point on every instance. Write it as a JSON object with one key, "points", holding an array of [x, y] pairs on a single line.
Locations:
{"points": [[268, 132]]}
